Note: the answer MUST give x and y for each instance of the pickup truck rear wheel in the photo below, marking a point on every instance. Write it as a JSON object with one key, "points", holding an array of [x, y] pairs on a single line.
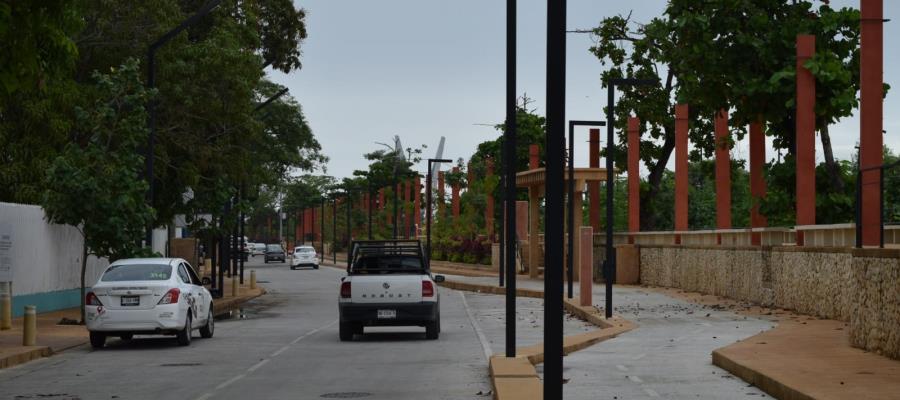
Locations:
{"points": [[345, 331], [433, 329]]}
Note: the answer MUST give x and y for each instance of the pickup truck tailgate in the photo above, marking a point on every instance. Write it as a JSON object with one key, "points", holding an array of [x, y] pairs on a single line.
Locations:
{"points": [[387, 288]]}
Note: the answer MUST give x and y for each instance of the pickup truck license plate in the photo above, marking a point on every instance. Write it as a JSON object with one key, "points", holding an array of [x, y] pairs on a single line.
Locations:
{"points": [[131, 300], [387, 314]]}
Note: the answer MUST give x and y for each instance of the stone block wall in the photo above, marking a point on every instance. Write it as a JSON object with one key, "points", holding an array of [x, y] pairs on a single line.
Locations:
{"points": [[875, 310], [859, 286], [814, 281]]}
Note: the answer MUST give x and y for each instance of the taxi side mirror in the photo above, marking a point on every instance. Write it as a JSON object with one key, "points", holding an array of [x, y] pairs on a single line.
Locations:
{"points": [[439, 278], [206, 281]]}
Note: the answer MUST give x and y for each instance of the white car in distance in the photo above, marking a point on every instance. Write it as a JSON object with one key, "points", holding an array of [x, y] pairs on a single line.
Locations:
{"points": [[148, 296], [305, 256]]}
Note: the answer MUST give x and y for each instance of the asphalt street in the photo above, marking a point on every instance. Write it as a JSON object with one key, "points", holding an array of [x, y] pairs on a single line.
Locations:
{"points": [[283, 345]]}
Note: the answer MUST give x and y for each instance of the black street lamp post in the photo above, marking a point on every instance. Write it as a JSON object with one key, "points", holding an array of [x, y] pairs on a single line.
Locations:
{"points": [[509, 163], [428, 207], [570, 271], [609, 266], [151, 83], [322, 234], [554, 211]]}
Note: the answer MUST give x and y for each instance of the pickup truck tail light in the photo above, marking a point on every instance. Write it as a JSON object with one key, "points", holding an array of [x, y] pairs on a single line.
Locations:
{"points": [[427, 289], [91, 299], [171, 297], [345, 290]]}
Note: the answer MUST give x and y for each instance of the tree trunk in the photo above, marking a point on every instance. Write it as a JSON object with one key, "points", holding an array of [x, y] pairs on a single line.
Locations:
{"points": [[837, 184], [84, 254], [654, 180]]}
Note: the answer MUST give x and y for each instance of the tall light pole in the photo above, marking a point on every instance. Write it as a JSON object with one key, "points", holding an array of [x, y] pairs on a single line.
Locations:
{"points": [[609, 266], [428, 207], [553, 234], [151, 83], [509, 164]]}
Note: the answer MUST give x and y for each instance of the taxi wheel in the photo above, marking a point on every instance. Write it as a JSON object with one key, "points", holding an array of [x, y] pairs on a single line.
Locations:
{"points": [[98, 340], [184, 335]]}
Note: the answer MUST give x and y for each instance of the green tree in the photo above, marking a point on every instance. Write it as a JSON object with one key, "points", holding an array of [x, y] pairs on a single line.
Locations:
{"points": [[95, 185]]}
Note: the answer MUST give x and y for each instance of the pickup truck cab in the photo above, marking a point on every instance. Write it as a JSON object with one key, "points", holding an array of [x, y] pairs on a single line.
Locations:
{"points": [[388, 283]]}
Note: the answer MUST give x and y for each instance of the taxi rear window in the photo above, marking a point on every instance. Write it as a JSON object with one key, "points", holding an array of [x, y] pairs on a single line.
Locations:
{"points": [[137, 272]]}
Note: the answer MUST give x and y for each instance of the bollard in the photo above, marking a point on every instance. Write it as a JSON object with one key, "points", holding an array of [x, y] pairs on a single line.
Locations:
{"points": [[5, 311], [253, 279], [234, 287], [29, 329], [5, 306]]}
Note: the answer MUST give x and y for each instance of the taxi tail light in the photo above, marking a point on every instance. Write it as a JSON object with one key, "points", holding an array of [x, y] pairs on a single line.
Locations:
{"points": [[345, 290], [91, 299], [171, 297], [427, 289]]}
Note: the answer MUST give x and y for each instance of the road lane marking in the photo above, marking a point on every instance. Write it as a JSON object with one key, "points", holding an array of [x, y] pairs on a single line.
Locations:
{"points": [[635, 379], [313, 332], [205, 396], [279, 351], [257, 365], [481, 338], [650, 392], [622, 368], [639, 356], [230, 381]]}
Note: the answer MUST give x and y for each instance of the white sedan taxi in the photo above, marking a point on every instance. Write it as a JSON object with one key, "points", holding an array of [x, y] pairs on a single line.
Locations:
{"points": [[148, 296]]}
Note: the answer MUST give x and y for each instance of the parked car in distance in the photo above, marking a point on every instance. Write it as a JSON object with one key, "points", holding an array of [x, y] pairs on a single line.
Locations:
{"points": [[305, 256], [258, 249], [148, 296], [388, 283], [274, 252]]}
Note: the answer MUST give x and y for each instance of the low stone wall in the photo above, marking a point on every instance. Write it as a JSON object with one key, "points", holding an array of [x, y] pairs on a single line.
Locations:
{"points": [[875, 310], [741, 273], [858, 286]]}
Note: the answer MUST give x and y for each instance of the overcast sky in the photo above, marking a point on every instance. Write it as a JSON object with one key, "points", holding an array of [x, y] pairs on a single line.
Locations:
{"points": [[422, 69]]}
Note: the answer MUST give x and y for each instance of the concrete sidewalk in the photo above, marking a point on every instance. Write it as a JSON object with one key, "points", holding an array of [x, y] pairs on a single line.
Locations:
{"points": [[53, 337]]}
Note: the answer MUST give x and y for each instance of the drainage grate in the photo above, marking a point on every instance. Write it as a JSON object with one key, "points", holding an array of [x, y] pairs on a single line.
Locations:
{"points": [[263, 282], [345, 395]]}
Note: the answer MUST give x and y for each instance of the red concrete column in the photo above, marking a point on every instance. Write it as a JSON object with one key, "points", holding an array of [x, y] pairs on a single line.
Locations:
{"points": [[454, 200], [594, 187], [805, 135], [533, 156], [586, 277], [440, 190], [313, 224], [634, 176], [723, 173], [681, 169], [407, 212], [489, 207], [381, 199], [417, 203], [522, 219], [871, 116], [757, 180], [297, 234]]}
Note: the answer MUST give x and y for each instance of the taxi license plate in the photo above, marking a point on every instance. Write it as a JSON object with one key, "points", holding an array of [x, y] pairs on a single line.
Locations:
{"points": [[387, 314], [131, 301]]}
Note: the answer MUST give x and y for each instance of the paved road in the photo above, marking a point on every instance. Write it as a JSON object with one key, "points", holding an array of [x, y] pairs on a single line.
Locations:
{"points": [[284, 346]]}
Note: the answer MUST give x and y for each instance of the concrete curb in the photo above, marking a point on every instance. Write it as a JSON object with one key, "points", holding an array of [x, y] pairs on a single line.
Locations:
{"points": [[757, 378], [516, 378], [29, 354]]}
